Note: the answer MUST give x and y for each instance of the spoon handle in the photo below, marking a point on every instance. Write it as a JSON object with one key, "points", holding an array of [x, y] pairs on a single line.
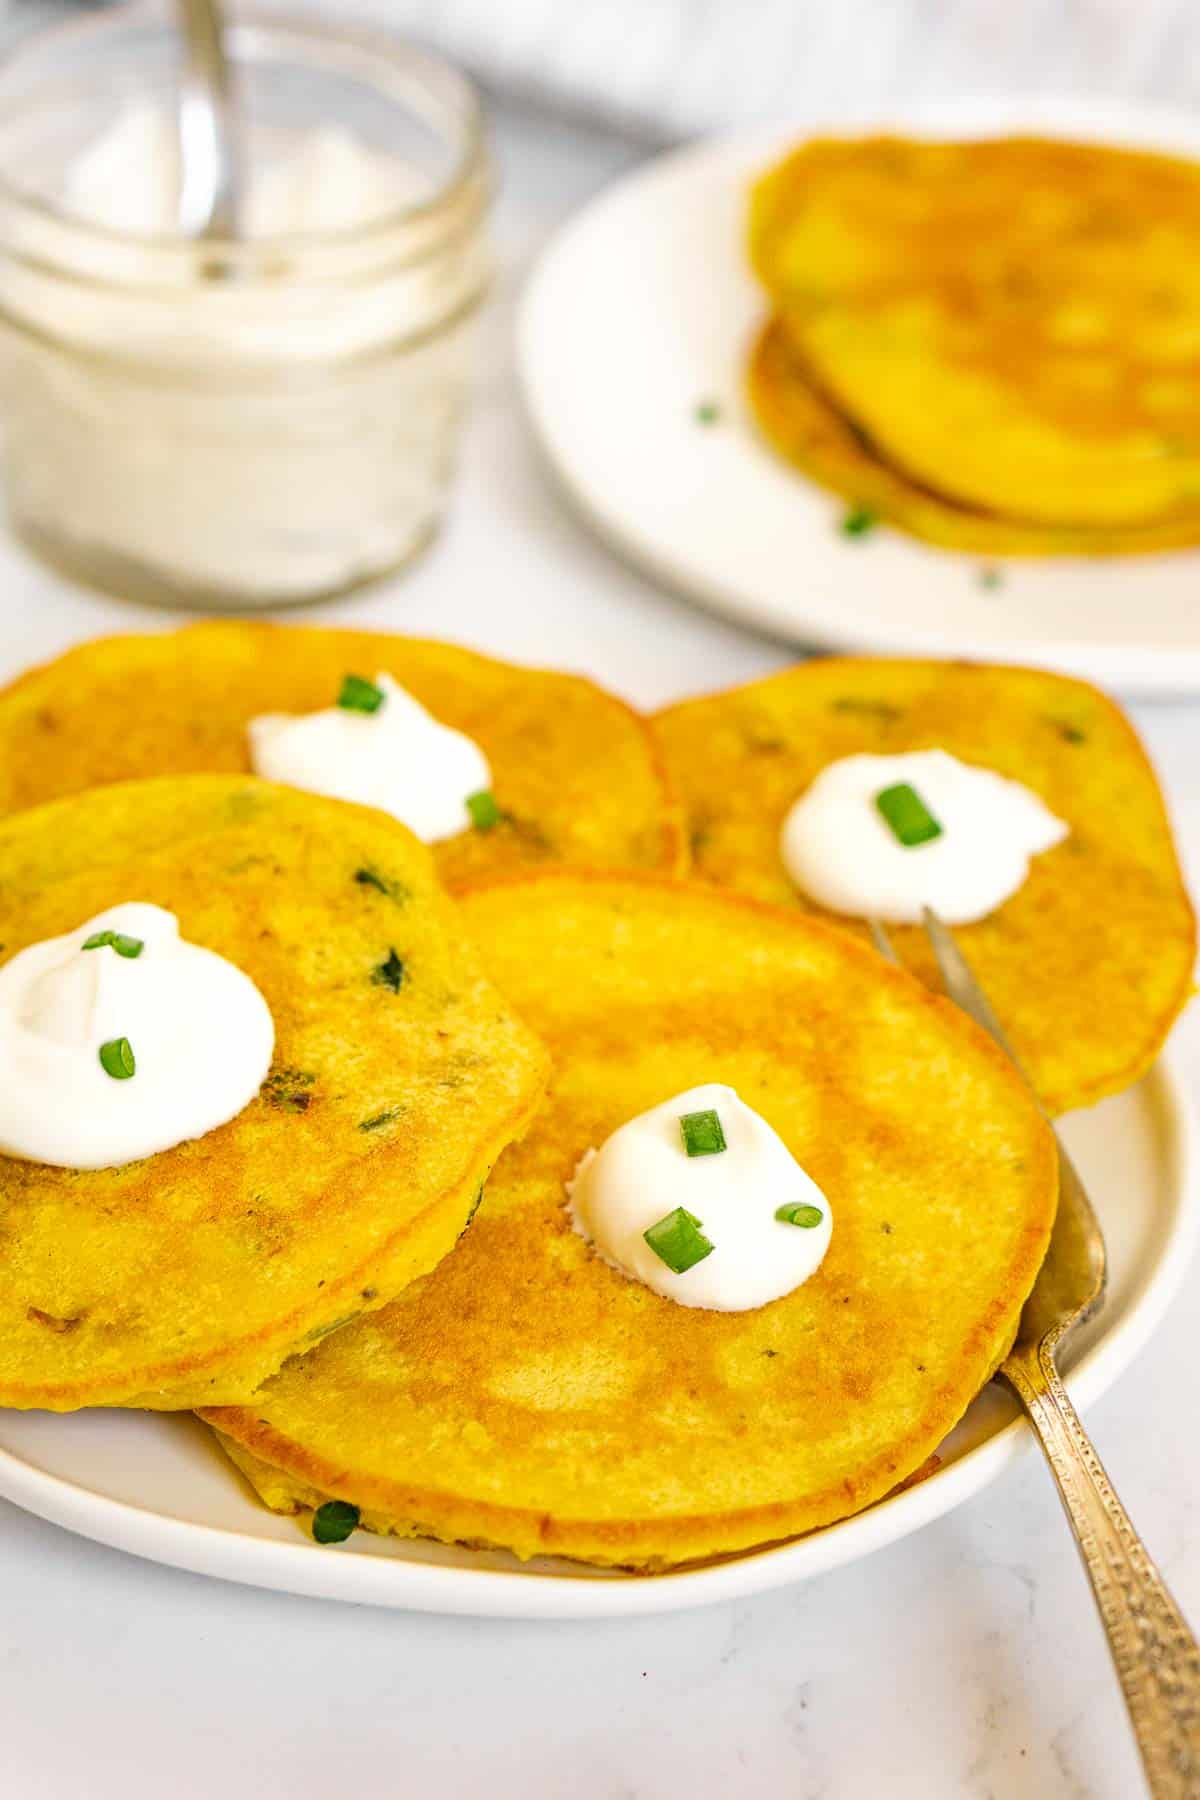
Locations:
{"points": [[1156, 1656]]}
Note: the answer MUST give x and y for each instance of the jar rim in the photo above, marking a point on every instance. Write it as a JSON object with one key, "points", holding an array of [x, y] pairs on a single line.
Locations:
{"points": [[251, 28]]}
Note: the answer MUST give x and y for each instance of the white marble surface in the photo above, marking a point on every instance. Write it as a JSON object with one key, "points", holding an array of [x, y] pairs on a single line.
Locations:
{"points": [[964, 1661]]}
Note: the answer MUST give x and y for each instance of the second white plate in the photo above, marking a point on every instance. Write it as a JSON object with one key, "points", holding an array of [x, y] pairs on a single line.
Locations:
{"points": [[642, 309], [159, 1487]]}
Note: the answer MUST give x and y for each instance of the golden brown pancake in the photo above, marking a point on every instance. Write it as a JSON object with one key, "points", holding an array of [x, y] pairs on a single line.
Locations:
{"points": [[190, 1275], [1014, 323], [1090, 962], [526, 1394], [576, 773], [805, 427]]}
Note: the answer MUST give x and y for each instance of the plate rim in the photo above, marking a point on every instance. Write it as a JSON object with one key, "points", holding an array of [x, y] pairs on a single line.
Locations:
{"points": [[250, 1560], [1141, 669]]}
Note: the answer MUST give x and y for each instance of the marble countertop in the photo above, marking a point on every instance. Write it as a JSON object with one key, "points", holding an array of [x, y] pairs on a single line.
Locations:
{"points": [[962, 1661]]}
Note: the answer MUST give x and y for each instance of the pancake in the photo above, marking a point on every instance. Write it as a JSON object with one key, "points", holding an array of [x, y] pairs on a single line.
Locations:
{"points": [[804, 426], [575, 772], [190, 1275], [1014, 323], [1090, 962], [527, 1395]]}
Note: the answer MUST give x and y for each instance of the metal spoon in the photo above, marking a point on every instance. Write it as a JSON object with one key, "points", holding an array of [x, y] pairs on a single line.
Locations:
{"points": [[209, 172], [1156, 1656]]}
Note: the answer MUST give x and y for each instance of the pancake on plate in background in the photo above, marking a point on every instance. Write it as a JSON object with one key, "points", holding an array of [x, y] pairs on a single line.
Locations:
{"points": [[1006, 332], [556, 770]]}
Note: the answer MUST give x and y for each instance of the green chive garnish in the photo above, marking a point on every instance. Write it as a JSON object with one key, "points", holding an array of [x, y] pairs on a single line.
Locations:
{"points": [[333, 1522], [858, 521], [707, 413], [116, 1059], [678, 1241], [702, 1133], [359, 695], [908, 816], [483, 809], [124, 946], [798, 1214], [389, 973], [990, 576]]}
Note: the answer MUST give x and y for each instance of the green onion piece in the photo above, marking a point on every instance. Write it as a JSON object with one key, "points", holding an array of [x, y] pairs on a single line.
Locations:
{"points": [[359, 695], [124, 946], [333, 1522], [908, 816], [390, 972], [798, 1214], [702, 1133], [990, 576], [116, 1059], [707, 412], [858, 521], [483, 809], [678, 1241]]}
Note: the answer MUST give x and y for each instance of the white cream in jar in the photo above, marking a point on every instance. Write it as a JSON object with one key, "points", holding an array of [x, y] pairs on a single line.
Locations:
{"points": [[267, 420]]}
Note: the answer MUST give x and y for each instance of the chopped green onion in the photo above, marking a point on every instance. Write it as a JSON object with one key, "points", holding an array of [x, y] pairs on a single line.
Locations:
{"points": [[390, 973], [702, 1133], [359, 695], [797, 1213], [378, 1119], [858, 521], [369, 877], [990, 576], [116, 1059], [333, 1522], [483, 809], [908, 816], [124, 946], [708, 412], [678, 1241]]}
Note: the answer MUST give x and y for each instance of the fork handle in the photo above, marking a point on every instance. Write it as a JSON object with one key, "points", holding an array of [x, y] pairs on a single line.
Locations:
{"points": [[1156, 1656]]}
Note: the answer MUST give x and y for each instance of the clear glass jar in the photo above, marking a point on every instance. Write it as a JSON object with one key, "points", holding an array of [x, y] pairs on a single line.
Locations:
{"points": [[245, 422]]}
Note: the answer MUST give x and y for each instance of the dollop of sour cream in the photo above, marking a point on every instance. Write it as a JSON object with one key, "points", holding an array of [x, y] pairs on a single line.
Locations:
{"points": [[398, 758], [195, 1028], [839, 849], [643, 1172]]}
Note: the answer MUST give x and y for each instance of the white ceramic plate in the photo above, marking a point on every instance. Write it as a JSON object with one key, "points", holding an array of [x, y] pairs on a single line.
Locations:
{"points": [[159, 1487], [643, 306]]}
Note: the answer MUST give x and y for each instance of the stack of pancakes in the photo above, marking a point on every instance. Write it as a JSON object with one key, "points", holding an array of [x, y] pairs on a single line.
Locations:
{"points": [[367, 1282], [993, 345]]}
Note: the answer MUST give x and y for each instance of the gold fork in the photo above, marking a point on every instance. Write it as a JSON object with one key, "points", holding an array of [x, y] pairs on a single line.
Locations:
{"points": [[1156, 1656]]}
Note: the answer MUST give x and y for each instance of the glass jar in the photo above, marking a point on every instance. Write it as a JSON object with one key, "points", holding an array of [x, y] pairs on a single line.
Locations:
{"points": [[241, 422]]}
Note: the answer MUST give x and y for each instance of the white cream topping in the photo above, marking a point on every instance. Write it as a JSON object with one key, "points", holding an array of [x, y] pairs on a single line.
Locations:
{"points": [[398, 758], [200, 1034], [643, 1172], [839, 849]]}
